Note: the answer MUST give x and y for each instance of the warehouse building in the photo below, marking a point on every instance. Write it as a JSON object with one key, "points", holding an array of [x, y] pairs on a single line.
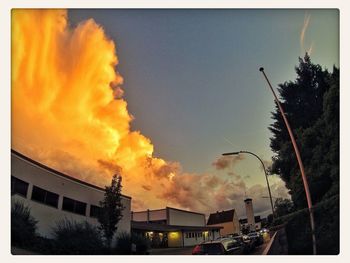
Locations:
{"points": [[53, 196]]}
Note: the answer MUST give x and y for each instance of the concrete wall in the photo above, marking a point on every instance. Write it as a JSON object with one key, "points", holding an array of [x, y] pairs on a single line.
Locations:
{"points": [[185, 218], [50, 181]]}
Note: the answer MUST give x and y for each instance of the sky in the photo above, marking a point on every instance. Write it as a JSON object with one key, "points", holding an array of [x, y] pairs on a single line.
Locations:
{"points": [[192, 79], [192, 86]]}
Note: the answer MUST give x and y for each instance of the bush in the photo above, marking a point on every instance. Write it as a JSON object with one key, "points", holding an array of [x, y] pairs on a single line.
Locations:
{"points": [[23, 226], [123, 245], [298, 229], [81, 238], [142, 244], [125, 241]]}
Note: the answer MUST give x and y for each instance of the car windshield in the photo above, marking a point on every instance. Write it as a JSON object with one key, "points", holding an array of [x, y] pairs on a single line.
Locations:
{"points": [[213, 249]]}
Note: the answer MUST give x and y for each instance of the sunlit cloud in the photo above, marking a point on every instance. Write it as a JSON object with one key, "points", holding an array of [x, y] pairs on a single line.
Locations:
{"points": [[69, 113]]}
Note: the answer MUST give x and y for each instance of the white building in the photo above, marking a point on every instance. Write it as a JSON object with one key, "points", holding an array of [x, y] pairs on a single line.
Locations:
{"points": [[52, 195], [245, 227], [227, 219], [250, 213], [172, 227]]}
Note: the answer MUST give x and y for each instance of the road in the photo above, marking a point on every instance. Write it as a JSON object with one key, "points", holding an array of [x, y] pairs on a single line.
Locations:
{"points": [[188, 250]]}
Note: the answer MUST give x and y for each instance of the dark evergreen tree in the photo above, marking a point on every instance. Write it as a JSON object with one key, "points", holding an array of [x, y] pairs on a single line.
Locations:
{"points": [[311, 104], [111, 209], [283, 207]]}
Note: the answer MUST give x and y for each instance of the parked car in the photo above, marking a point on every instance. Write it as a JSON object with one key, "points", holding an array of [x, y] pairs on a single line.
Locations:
{"points": [[256, 237], [223, 246], [247, 243]]}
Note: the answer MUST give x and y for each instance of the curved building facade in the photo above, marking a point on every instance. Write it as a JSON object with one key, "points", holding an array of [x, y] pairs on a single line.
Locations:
{"points": [[53, 196]]}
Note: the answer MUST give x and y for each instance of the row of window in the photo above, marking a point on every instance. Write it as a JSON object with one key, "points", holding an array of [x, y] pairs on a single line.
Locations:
{"points": [[194, 234], [51, 199]]}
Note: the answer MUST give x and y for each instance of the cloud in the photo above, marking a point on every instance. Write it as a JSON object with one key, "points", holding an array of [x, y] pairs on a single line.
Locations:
{"points": [[68, 113], [303, 33], [224, 162]]}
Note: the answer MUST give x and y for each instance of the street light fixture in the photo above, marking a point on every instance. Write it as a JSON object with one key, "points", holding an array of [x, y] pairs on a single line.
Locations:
{"points": [[263, 165], [301, 166]]}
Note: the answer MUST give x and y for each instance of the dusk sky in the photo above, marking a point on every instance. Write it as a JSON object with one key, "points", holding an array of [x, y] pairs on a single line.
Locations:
{"points": [[192, 84], [191, 77]]}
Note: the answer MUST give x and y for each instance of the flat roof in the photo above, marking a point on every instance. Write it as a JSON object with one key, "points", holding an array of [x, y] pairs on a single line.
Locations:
{"points": [[42, 166], [168, 207], [169, 228]]}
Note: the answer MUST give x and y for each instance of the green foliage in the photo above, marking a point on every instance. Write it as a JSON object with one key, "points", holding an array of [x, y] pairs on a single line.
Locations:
{"points": [[111, 209], [23, 225], [311, 104], [123, 246], [283, 207], [125, 241], [78, 238], [298, 229]]}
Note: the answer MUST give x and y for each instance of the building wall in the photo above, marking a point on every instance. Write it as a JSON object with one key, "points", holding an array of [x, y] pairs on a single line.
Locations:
{"points": [[250, 213], [236, 226], [47, 215], [175, 239], [228, 228], [185, 218], [139, 216]]}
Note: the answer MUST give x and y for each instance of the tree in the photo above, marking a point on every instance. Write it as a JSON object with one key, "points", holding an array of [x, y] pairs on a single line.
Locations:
{"points": [[111, 209], [77, 238], [283, 207], [311, 104], [23, 225]]}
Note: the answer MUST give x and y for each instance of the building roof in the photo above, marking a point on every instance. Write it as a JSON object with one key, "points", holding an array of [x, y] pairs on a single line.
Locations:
{"points": [[221, 217], [42, 166], [169, 228], [166, 208]]}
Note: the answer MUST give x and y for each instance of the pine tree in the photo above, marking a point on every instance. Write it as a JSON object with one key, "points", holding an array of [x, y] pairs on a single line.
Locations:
{"points": [[311, 104], [111, 209]]}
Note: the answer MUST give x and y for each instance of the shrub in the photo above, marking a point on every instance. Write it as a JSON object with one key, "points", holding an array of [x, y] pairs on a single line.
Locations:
{"points": [[125, 241], [123, 245], [81, 238], [142, 244], [298, 229], [23, 225]]}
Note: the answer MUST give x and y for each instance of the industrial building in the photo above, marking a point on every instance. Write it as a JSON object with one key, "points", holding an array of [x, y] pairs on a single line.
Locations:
{"points": [[172, 227], [53, 196]]}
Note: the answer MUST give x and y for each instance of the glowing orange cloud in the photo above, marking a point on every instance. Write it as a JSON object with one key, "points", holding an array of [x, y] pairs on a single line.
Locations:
{"points": [[68, 112]]}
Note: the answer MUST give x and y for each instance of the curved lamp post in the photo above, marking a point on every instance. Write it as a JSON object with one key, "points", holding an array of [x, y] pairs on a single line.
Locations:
{"points": [[301, 166], [262, 163]]}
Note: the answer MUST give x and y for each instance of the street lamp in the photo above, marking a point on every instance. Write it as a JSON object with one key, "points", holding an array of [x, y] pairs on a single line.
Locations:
{"points": [[262, 163], [301, 166]]}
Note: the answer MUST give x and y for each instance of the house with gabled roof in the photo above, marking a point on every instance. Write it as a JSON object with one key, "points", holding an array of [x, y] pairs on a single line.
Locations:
{"points": [[228, 220]]}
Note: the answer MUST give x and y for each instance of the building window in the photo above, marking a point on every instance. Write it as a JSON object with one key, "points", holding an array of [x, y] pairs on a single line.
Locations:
{"points": [[94, 211], [44, 196], [74, 206], [18, 186]]}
